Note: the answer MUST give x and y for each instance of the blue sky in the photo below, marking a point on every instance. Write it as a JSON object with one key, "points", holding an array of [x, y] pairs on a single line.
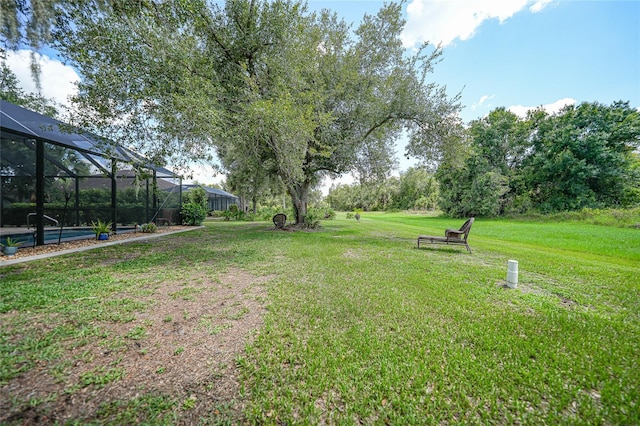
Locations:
{"points": [[521, 54]]}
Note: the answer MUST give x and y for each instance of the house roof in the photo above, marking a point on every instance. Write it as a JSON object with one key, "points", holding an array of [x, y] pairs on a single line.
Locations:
{"points": [[210, 190], [29, 124], [101, 182]]}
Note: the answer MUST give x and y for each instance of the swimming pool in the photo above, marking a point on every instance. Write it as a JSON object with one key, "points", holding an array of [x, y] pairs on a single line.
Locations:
{"points": [[51, 235]]}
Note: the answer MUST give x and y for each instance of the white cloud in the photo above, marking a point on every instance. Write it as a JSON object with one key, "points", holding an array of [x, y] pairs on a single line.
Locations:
{"points": [[481, 101], [58, 80], [484, 98], [551, 108], [539, 5], [443, 21]]}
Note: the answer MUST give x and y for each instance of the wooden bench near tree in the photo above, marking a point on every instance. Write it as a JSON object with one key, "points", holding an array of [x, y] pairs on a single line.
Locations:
{"points": [[451, 236]]}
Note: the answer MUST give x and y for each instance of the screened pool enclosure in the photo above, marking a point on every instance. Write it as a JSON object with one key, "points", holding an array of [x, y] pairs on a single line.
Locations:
{"points": [[56, 180]]}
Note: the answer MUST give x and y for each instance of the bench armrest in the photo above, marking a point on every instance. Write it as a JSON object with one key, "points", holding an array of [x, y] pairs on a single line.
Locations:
{"points": [[456, 233]]}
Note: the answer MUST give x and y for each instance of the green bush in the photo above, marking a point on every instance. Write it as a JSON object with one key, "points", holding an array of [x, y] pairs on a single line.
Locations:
{"points": [[267, 212], [149, 227], [193, 214], [194, 207], [232, 213], [250, 217], [312, 219], [329, 214], [235, 212]]}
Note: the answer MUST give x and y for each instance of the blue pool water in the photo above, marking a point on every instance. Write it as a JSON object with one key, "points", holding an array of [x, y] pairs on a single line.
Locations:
{"points": [[51, 236]]}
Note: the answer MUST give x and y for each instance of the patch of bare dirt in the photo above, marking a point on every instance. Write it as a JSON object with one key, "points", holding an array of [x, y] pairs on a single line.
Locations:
{"points": [[184, 347]]}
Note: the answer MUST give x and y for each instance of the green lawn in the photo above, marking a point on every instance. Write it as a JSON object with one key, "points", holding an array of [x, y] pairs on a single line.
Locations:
{"points": [[362, 327]]}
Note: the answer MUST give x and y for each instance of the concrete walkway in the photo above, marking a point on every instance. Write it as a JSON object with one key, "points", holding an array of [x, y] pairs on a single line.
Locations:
{"points": [[93, 247]]}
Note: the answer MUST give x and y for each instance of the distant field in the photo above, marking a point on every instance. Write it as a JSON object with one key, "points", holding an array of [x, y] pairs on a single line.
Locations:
{"points": [[362, 327]]}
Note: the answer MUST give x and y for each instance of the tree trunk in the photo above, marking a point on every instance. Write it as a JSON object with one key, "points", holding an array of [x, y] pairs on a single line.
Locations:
{"points": [[300, 197]]}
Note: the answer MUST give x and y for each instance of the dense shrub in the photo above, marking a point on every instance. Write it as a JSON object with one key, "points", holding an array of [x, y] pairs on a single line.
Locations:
{"points": [[148, 228], [312, 219], [194, 207], [584, 156], [235, 212], [193, 214]]}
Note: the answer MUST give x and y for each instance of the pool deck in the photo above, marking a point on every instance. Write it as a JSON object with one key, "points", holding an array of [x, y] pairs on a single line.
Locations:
{"points": [[94, 247]]}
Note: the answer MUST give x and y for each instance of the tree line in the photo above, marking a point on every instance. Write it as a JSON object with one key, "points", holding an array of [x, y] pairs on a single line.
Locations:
{"points": [[414, 189], [584, 156]]}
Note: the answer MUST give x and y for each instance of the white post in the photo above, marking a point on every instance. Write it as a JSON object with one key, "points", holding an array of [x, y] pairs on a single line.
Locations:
{"points": [[512, 273]]}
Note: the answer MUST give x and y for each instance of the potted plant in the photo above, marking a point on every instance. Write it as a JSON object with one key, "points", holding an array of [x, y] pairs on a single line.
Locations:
{"points": [[101, 229], [10, 246]]}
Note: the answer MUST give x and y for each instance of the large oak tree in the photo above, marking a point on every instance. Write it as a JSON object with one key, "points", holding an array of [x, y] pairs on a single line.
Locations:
{"points": [[266, 84]]}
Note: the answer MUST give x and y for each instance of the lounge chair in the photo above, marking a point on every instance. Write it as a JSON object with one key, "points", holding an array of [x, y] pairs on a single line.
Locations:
{"points": [[451, 236]]}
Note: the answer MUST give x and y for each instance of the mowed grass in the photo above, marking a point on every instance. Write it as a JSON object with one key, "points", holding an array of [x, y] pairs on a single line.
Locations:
{"points": [[362, 327]]}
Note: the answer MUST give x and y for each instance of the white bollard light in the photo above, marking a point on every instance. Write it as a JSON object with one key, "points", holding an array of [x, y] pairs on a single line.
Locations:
{"points": [[512, 273]]}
